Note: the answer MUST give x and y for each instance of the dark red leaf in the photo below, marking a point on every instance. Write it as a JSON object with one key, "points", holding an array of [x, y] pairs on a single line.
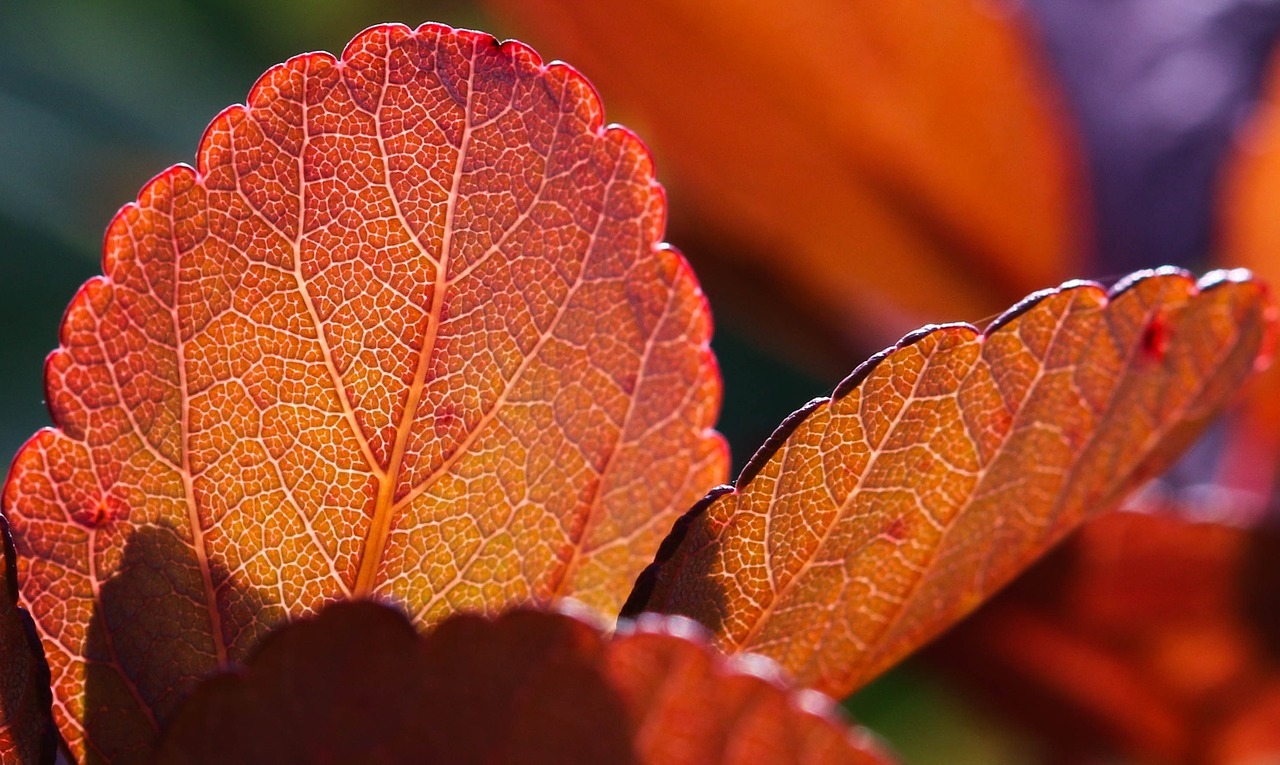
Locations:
{"points": [[357, 684]]}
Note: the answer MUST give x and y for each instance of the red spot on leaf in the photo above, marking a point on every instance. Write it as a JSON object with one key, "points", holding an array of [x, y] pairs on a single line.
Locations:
{"points": [[100, 511], [1155, 339]]}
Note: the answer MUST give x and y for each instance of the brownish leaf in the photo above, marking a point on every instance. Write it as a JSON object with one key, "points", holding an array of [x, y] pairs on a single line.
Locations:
{"points": [[407, 330], [26, 725], [863, 157], [1145, 635], [357, 684], [942, 467]]}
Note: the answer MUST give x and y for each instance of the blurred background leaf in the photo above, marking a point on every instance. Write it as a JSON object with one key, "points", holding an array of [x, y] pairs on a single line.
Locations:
{"points": [[1145, 636], [848, 170]]}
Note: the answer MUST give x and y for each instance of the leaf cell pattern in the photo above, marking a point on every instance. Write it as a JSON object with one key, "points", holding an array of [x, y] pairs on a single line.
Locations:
{"points": [[407, 330], [875, 519]]}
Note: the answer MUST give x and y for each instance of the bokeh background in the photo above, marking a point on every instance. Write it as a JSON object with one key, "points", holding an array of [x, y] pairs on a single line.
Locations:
{"points": [[1146, 99]]}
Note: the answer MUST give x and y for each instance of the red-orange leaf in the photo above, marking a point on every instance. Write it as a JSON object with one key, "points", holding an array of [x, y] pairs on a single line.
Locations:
{"points": [[408, 329], [864, 157], [872, 520], [1249, 219], [357, 684], [26, 727], [1145, 636]]}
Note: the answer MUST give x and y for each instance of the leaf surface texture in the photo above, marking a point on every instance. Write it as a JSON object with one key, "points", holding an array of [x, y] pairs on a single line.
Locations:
{"points": [[406, 330], [876, 518]]}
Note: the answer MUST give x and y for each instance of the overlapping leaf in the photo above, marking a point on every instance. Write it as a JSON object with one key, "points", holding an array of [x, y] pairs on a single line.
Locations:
{"points": [[1145, 635], [864, 158], [406, 330], [26, 727], [358, 684], [873, 520]]}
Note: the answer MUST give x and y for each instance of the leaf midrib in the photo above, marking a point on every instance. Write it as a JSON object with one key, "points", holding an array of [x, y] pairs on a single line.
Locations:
{"points": [[384, 505]]}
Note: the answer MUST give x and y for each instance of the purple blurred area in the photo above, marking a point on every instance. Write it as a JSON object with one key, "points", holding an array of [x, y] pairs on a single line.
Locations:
{"points": [[1157, 87]]}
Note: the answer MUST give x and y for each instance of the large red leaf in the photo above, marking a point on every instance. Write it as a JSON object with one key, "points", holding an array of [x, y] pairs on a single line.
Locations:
{"points": [[26, 726], [860, 158], [1145, 635], [357, 684], [407, 330], [874, 519]]}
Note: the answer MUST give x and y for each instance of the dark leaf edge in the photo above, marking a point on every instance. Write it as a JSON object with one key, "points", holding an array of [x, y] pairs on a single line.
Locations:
{"points": [[641, 593]]}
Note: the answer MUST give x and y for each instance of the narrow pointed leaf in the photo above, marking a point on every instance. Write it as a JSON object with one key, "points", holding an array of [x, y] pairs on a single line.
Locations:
{"points": [[357, 684], [26, 724], [406, 329], [873, 162], [875, 519]]}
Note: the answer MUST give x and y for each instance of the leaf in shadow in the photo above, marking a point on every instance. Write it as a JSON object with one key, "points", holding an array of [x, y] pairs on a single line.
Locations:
{"points": [[149, 643], [358, 684], [27, 733]]}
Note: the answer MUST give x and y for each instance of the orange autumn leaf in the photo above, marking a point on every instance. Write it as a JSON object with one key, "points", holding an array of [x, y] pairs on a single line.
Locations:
{"points": [[1145, 636], [1249, 223], [26, 728], [407, 330], [358, 684], [938, 470], [868, 157]]}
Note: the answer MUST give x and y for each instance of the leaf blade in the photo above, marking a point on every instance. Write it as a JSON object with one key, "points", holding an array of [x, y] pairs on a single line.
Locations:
{"points": [[406, 330], [528, 686], [941, 468], [26, 723]]}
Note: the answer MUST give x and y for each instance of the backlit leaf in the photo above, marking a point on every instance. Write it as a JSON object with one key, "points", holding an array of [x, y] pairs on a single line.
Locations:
{"points": [[26, 727], [862, 157], [1144, 636], [358, 684], [406, 330], [940, 468]]}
